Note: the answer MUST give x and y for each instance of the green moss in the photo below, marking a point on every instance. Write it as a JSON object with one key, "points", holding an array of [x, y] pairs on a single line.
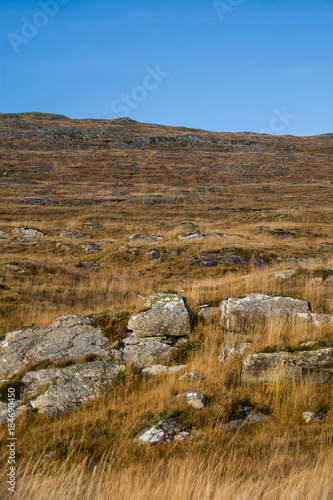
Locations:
{"points": [[113, 325]]}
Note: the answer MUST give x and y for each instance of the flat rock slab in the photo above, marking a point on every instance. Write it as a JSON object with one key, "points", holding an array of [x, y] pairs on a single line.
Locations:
{"points": [[256, 309], [68, 338], [162, 369], [289, 367], [73, 386], [166, 317], [27, 233]]}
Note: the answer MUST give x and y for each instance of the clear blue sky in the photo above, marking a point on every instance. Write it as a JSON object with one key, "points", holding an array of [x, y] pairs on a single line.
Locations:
{"points": [[232, 65]]}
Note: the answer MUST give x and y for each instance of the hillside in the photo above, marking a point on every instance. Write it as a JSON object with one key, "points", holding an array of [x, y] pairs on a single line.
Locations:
{"points": [[99, 216]]}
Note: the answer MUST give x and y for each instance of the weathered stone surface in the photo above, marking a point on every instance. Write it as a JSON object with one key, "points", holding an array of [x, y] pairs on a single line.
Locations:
{"points": [[191, 377], [153, 254], [144, 239], [143, 353], [256, 309], [74, 234], [27, 233], [162, 369], [230, 350], [33, 383], [12, 267], [166, 317], [74, 385], [91, 248], [68, 338], [268, 367], [199, 235]]}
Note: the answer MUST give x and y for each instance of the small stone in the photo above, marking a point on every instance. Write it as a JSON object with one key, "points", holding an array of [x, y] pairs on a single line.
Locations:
{"points": [[312, 416], [195, 399]]}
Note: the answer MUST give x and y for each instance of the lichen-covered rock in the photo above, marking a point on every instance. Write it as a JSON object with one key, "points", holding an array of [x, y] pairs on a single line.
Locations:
{"points": [[68, 338], [162, 369], [269, 367], [166, 317], [195, 399], [141, 354], [256, 309], [72, 386], [165, 431], [230, 350], [27, 233]]}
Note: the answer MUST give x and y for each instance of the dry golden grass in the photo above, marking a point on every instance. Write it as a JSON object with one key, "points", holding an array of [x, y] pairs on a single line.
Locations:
{"points": [[90, 453]]}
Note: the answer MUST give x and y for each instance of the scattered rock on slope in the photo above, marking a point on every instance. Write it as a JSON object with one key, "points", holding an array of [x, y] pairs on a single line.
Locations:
{"points": [[73, 385], [68, 338], [27, 233], [230, 350], [269, 367], [256, 309]]}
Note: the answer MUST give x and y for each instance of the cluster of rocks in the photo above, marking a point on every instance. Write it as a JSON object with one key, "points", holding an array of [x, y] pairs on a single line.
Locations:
{"points": [[165, 431], [155, 332], [215, 259]]}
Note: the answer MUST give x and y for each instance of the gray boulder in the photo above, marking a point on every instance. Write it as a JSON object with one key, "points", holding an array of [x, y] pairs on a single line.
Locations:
{"points": [[269, 367], [166, 318], [256, 309], [68, 338], [195, 399], [27, 233], [72, 387], [162, 369], [229, 350], [247, 417]]}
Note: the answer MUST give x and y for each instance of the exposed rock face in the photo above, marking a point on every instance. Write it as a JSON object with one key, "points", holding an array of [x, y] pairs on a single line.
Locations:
{"points": [[199, 235], [231, 349], [162, 369], [74, 385], [27, 233], [166, 318], [68, 338], [164, 432], [91, 248], [267, 367], [256, 309], [74, 234], [144, 353]]}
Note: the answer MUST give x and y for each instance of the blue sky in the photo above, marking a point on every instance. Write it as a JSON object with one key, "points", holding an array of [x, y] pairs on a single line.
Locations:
{"points": [[229, 65]]}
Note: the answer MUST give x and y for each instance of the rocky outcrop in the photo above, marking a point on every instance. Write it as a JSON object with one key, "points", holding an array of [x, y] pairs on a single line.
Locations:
{"points": [[162, 369], [255, 310], [165, 431], [152, 334], [230, 350], [69, 338], [199, 235], [288, 366], [27, 233], [69, 387]]}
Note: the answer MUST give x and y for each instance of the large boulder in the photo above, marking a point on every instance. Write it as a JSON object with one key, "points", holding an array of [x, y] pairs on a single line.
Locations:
{"points": [[141, 354], [69, 338], [70, 387], [27, 233], [288, 366], [256, 309], [166, 317]]}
